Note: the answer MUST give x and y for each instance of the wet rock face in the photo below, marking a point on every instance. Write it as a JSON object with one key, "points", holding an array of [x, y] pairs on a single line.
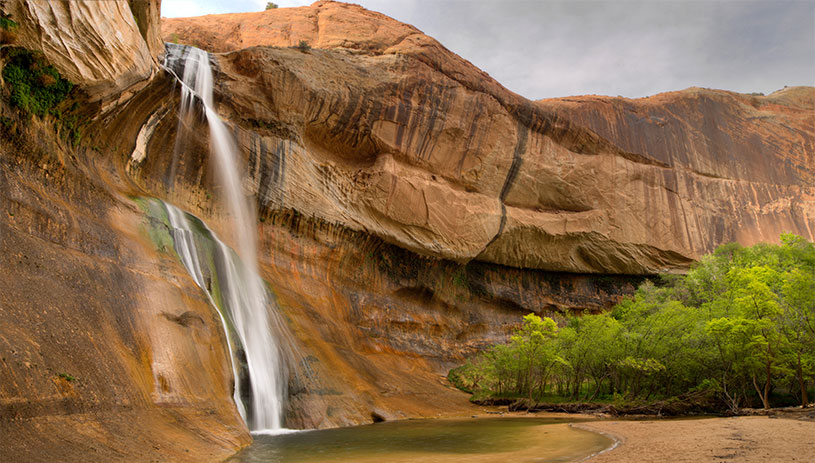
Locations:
{"points": [[379, 128], [108, 350], [107, 347]]}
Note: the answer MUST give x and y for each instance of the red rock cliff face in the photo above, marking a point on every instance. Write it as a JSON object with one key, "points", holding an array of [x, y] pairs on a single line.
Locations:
{"points": [[108, 350], [411, 211], [384, 130], [741, 167], [414, 208]]}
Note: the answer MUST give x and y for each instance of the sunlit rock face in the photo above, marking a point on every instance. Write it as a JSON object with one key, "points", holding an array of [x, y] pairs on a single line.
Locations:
{"points": [[410, 208], [108, 350], [381, 129], [731, 167], [95, 44]]}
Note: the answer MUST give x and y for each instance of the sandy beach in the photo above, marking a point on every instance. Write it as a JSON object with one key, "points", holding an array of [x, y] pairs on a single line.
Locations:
{"points": [[737, 439]]}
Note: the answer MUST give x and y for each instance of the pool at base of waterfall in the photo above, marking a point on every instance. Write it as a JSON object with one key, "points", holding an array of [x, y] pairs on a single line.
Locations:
{"points": [[474, 440]]}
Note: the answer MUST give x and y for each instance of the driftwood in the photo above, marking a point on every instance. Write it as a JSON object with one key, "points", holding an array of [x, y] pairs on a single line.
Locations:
{"points": [[698, 403]]}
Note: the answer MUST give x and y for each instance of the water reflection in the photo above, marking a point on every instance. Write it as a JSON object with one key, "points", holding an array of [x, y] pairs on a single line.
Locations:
{"points": [[461, 440]]}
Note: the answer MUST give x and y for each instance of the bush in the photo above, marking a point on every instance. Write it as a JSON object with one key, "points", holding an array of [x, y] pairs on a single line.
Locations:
{"points": [[6, 22], [303, 46], [271, 6], [8, 30], [36, 87]]}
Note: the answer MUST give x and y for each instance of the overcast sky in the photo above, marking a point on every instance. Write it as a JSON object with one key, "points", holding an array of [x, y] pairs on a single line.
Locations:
{"points": [[542, 49]]}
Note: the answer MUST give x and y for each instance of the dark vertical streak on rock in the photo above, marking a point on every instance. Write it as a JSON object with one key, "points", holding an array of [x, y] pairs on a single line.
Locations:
{"points": [[470, 137], [440, 105], [402, 117], [272, 162], [517, 160], [500, 226]]}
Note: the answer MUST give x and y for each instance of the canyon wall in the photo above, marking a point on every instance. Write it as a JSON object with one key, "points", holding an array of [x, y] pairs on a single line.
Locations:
{"points": [[108, 349], [388, 132], [410, 208]]}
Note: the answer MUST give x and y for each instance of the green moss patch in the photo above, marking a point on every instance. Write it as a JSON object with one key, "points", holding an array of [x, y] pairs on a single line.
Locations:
{"points": [[35, 86]]}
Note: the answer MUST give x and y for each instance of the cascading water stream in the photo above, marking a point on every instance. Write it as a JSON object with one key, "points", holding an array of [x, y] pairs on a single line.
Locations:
{"points": [[187, 250], [245, 296]]}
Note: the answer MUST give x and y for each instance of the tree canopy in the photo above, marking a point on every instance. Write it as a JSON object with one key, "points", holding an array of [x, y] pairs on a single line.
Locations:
{"points": [[740, 324]]}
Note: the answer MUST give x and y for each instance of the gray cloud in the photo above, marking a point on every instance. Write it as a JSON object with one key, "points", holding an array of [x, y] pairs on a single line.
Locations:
{"points": [[543, 49]]}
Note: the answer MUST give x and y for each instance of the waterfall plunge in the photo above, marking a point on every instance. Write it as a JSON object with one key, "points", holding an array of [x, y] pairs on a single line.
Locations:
{"points": [[244, 294]]}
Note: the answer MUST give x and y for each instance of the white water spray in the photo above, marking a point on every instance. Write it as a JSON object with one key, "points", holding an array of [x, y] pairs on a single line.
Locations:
{"points": [[187, 250], [245, 295]]}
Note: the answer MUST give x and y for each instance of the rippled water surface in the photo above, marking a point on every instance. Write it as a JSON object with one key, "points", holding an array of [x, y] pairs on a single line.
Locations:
{"points": [[504, 439]]}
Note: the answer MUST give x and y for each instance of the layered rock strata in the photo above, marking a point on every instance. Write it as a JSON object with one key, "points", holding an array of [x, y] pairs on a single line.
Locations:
{"points": [[381, 129], [108, 350], [411, 210], [96, 44]]}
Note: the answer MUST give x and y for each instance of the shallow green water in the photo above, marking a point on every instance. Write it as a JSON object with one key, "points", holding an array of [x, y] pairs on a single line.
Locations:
{"points": [[505, 439]]}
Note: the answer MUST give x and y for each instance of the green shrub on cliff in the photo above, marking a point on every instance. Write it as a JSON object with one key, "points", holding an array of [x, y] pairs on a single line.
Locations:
{"points": [[8, 30], [7, 23], [740, 325], [34, 85]]}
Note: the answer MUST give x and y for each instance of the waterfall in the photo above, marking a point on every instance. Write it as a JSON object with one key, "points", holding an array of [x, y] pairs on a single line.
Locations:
{"points": [[245, 298], [187, 249]]}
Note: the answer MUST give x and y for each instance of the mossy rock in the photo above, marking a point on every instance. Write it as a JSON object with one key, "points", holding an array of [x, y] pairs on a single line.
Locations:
{"points": [[35, 86]]}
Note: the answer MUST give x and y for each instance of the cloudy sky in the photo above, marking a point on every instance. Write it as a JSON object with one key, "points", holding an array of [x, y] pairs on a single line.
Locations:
{"points": [[542, 48]]}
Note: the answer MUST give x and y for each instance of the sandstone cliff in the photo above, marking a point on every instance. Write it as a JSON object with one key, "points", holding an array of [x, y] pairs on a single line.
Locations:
{"points": [[386, 131], [96, 44], [108, 351], [411, 209]]}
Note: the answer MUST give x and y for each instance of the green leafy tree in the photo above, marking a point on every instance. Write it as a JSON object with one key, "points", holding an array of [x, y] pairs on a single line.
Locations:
{"points": [[533, 347], [798, 325], [757, 315], [741, 323]]}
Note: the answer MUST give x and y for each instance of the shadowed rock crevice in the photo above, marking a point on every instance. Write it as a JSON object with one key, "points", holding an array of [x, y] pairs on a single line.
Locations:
{"points": [[186, 319]]}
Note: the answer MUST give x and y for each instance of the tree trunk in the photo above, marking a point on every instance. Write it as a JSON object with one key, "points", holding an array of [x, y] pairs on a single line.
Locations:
{"points": [[766, 398], [802, 383], [576, 390], [597, 389], [762, 395], [732, 401]]}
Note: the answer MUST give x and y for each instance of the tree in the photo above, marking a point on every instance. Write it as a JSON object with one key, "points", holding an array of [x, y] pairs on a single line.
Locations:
{"points": [[756, 323], [534, 350], [798, 324], [271, 6], [740, 323], [590, 347]]}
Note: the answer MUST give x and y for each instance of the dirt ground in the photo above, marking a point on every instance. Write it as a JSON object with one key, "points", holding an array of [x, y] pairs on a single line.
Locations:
{"points": [[738, 439]]}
